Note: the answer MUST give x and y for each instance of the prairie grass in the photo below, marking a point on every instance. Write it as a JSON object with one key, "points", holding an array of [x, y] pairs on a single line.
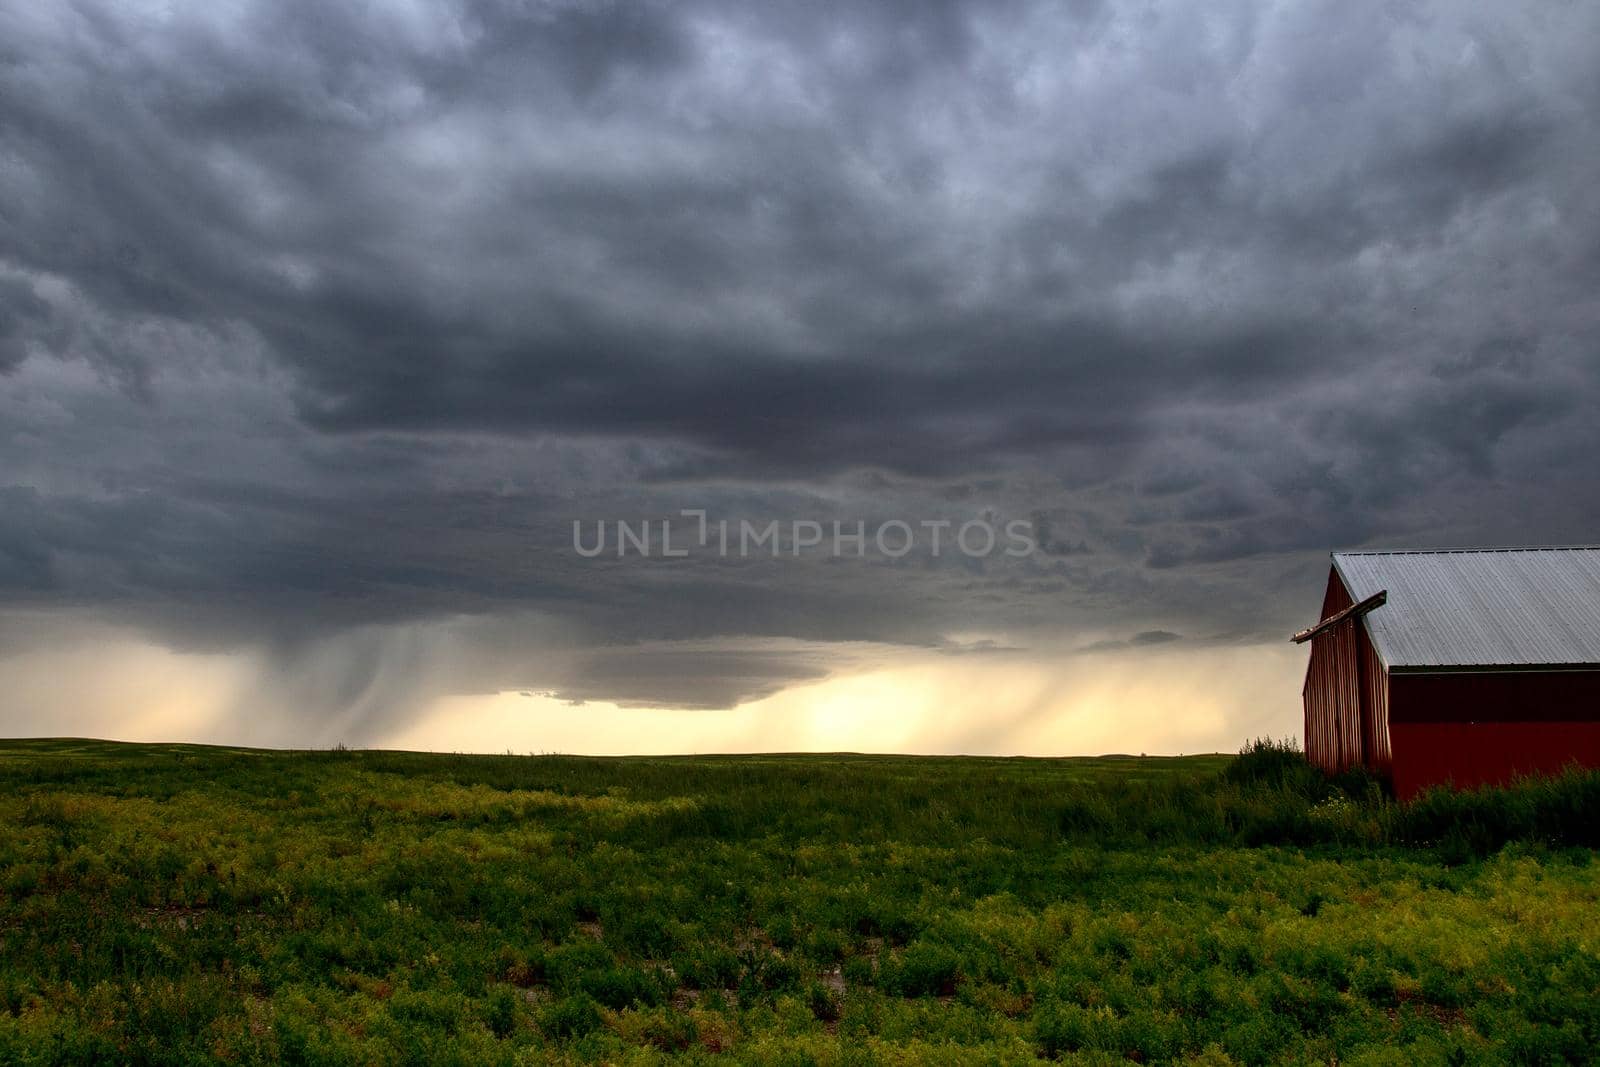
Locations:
{"points": [[182, 904]]}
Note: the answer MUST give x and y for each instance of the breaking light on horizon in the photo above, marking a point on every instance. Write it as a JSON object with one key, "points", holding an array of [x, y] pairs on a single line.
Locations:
{"points": [[1196, 701], [1000, 703]]}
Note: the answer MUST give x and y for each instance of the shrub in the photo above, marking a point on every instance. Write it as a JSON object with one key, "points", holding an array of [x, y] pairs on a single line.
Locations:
{"points": [[881, 916], [1270, 795], [707, 966], [925, 970], [1089, 813], [641, 932], [573, 1016], [1269, 764], [622, 987], [767, 972], [428, 1008], [1362, 785], [1061, 1027], [824, 1003], [567, 964], [1558, 810], [826, 946], [781, 931], [521, 968], [858, 971], [664, 1029], [500, 1012]]}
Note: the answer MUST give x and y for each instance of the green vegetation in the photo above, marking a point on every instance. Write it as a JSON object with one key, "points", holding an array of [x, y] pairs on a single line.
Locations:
{"points": [[185, 904]]}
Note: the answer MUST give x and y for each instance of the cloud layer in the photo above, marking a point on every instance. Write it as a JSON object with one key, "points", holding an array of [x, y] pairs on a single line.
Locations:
{"points": [[323, 320]]}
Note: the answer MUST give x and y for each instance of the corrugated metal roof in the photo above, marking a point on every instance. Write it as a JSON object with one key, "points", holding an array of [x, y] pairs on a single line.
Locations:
{"points": [[1480, 607]]}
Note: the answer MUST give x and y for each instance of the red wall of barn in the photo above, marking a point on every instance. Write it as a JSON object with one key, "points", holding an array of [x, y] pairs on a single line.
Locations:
{"points": [[1346, 693], [1485, 728]]}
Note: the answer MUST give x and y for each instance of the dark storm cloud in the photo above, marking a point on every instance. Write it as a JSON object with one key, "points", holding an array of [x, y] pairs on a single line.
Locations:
{"points": [[321, 316]]}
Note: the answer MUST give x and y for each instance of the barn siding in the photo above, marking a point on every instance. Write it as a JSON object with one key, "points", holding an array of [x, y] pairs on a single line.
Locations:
{"points": [[1346, 693], [1489, 696], [1333, 736], [1470, 754], [1471, 728], [1378, 753]]}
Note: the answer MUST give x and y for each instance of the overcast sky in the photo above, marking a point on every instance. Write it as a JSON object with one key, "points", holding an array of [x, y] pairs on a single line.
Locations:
{"points": [[321, 323]]}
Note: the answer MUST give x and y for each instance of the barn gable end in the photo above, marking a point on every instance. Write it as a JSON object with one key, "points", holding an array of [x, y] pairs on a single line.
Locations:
{"points": [[1346, 691]]}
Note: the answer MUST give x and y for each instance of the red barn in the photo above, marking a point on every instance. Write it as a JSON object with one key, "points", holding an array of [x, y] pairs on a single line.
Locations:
{"points": [[1468, 667]]}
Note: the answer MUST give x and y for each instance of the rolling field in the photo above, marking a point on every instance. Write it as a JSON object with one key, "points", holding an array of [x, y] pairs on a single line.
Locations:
{"points": [[177, 904]]}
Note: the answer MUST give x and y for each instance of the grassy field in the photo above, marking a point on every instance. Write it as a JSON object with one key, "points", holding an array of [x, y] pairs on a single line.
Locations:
{"points": [[187, 904]]}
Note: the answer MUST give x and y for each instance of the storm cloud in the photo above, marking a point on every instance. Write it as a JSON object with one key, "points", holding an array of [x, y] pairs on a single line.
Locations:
{"points": [[322, 323]]}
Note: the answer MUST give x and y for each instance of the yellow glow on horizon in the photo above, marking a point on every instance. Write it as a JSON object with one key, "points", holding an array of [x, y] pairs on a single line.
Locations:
{"points": [[121, 690], [1198, 700], [1165, 700]]}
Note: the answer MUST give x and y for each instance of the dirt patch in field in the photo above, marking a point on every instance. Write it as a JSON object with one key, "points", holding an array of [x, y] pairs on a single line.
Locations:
{"points": [[172, 915], [834, 981], [687, 999], [1445, 1017]]}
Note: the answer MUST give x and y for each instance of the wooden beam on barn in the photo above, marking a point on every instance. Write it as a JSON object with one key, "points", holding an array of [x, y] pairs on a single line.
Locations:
{"points": [[1377, 599]]}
